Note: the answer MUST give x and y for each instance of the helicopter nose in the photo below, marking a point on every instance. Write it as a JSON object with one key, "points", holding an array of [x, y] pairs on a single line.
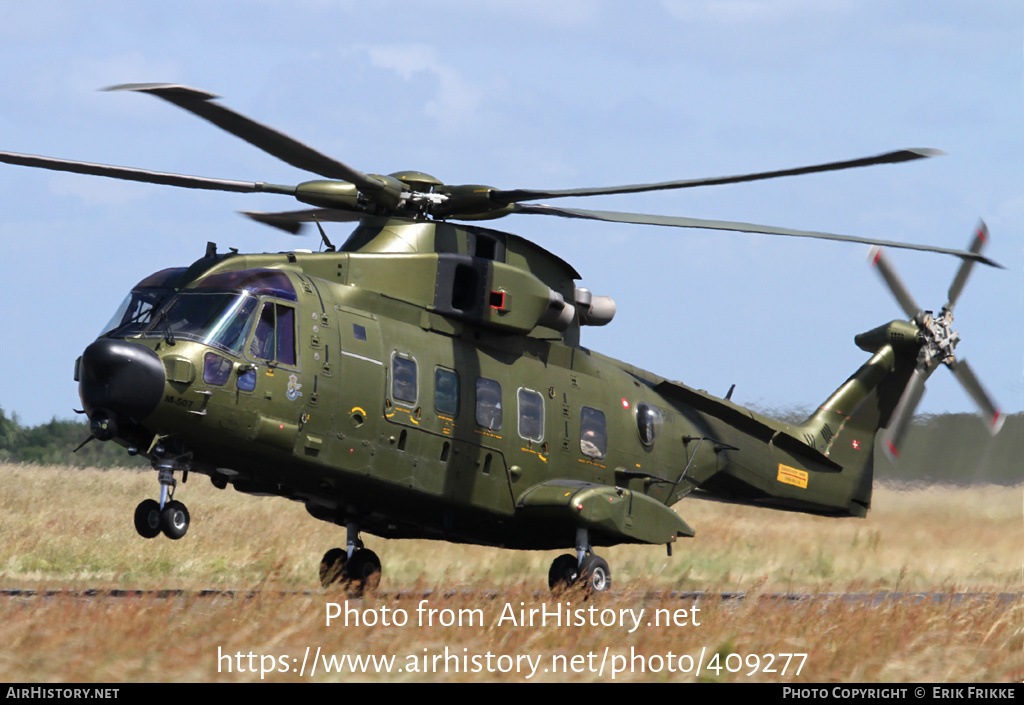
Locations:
{"points": [[121, 382]]}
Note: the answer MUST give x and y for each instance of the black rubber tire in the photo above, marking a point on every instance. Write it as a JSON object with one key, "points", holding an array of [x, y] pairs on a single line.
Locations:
{"points": [[363, 568], [174, 520], [147, 518], [563, 572], [332, 567], [595, 576]]}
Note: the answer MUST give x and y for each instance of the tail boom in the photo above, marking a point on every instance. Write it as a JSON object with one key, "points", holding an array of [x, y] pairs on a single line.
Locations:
{"points": [[826, 464]]}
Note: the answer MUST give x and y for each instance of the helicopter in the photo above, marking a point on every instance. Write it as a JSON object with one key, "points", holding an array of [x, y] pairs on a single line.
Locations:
{"points": [[426, 379]]}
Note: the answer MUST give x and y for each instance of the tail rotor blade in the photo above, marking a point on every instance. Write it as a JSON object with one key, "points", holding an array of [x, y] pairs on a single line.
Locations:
{"points": [[980, 238], [906, 301], [970, 383], [903, 413]]}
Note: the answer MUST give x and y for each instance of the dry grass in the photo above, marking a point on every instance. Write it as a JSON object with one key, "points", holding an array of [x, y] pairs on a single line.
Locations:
{"points": [[71, 529]]}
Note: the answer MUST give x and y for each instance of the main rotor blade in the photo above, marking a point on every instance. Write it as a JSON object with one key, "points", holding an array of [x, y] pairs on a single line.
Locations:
{"points": [[902, 155], [266, 138], [906, 301], [143, 175], [681, 222], [970, 383], [980, 238], [293, 221], [903, 413]]}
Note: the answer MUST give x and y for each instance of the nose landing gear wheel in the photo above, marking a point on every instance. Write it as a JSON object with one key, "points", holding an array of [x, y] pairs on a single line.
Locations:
{"points": [[174, 520], [147, 518]]}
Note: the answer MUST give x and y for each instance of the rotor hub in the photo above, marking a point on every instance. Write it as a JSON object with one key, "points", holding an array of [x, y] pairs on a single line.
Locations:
{"points": [[938, 337]]}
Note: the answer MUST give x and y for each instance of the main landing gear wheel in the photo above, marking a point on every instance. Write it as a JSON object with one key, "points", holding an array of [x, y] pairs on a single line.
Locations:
{"points": [[332, 567], [593, 575], [363, 568], [147, 518], [563, 572], [174, 520], [585, 569], [361, 571]]}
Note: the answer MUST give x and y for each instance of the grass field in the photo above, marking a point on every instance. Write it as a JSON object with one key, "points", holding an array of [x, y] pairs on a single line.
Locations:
{"points": [[71, 530]]}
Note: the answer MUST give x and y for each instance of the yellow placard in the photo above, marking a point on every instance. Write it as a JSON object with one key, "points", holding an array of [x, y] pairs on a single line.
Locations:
{"points": [[792, 476]]}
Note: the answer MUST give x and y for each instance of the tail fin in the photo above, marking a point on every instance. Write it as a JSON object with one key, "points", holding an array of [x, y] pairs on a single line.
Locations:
{"points": [[846, 426]]}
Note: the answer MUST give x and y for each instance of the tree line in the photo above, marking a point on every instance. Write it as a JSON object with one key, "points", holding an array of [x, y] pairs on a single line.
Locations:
{"points": [[54, 443]]}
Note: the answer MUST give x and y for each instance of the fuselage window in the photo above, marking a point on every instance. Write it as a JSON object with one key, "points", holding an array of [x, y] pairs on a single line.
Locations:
{"points": [[446, 392], [531, 415], [648, 422], [403, 379], [593, 433], [488, 403], [274, 337]]}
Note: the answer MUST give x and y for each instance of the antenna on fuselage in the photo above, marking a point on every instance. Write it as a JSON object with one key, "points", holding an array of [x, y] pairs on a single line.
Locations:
{"points": [[323, 235]]}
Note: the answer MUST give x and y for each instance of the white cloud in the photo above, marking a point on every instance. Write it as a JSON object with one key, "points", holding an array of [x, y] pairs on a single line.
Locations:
{"points": [[456, 100]]}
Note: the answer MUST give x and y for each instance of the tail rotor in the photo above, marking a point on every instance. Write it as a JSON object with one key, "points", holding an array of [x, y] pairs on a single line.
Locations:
{"points": [[938, 342]]}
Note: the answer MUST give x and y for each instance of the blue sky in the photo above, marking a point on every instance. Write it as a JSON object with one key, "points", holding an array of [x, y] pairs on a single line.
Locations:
{"points": [[523, 94]]}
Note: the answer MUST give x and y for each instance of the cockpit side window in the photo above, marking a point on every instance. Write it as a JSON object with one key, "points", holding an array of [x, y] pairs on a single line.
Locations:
{"points": [[285, 335], [273, 340], [262, 344]]}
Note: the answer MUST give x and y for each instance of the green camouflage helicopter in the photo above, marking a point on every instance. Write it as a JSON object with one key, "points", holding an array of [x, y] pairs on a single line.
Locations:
{"points": [[426, 379]]}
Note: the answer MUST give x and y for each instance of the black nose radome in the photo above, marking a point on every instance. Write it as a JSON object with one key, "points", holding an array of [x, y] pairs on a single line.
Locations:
{"points": [[120, 380]]}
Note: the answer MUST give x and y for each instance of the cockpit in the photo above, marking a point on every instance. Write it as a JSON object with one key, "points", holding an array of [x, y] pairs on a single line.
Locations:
{"points": [[216, 311]]}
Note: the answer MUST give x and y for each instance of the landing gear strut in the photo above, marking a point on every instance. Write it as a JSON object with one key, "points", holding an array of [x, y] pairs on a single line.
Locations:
{"points": [[168, 515], [585, 569], [358, 566]]}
